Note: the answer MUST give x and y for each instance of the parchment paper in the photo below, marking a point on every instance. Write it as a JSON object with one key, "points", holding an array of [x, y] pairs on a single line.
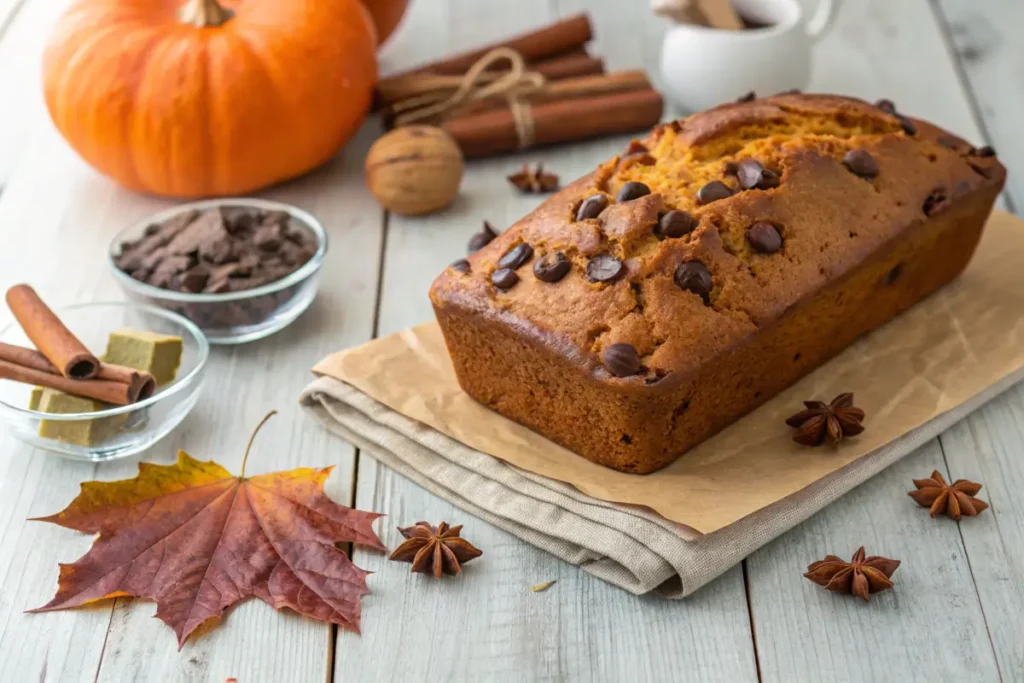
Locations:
{"points": [[943, 353]]}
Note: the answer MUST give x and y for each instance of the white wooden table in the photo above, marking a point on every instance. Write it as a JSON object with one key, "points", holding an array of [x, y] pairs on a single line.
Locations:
{"points": [[958, 609]]}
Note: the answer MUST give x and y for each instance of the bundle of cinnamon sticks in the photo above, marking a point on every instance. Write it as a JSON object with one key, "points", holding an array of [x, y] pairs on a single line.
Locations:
{"points": [[570, 96], [62, 362]]}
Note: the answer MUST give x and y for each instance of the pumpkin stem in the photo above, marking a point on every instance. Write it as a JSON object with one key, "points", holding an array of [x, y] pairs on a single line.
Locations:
{"points": [[204, 13]]}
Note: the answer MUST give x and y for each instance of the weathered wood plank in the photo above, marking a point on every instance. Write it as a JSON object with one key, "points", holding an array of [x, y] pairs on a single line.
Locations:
{"points": [[256, 643], [987, 448], [486, 624], [986, 41], [896, 50], [8, 11], [69, 205], [929, 627], [24, 29]]}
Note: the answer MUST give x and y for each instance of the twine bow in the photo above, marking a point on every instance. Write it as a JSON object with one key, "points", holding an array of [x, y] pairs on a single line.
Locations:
{"points": [[476, 85]]}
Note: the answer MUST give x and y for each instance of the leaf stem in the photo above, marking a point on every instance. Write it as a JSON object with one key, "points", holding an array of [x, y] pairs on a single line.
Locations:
{"points": [[252, 438]]}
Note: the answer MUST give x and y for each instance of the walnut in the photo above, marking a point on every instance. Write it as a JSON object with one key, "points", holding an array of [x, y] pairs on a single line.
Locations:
{"points": [[414, 170]]}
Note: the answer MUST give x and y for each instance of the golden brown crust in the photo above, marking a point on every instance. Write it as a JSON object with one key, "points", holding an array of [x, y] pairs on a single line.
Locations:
{"points": [[831, 221]]}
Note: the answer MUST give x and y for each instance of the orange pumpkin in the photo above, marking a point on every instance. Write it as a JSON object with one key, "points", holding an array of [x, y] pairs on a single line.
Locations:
{"points": [[386, 15], [203, 98]]}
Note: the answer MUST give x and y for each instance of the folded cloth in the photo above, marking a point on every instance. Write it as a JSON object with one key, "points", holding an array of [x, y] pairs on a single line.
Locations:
{"points": [[631, 547]]}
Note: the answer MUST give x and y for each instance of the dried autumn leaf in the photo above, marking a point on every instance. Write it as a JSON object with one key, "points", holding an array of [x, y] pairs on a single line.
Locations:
{"points": [[196, 540]]}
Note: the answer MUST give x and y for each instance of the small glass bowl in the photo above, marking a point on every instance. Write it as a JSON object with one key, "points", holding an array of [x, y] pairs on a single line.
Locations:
{"points": [[133, 428], [232, 317]]}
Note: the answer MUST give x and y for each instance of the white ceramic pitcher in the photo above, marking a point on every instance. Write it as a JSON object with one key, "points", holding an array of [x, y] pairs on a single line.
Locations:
{"points": [[702, 67]]}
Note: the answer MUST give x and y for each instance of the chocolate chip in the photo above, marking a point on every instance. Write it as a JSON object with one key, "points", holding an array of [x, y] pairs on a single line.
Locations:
{"points": [[675, 223], [948, 141], [984, 171], [622, 360], [604, 268], [748, 172], [516, 256], [165, 272], [481, 239], [293, 254], [731, 168], [693, 276], [887, 106], [769, 179], [908, 126], [713, 191], [986, 151], [193, 280], [268, 237], [764, 237], [935, 202], [551, 267], [461, 266], [592, 207], [751, 174], [791, 91], [504, 278], [749, 97], [632, 190], [860, 163], [893, 274]]}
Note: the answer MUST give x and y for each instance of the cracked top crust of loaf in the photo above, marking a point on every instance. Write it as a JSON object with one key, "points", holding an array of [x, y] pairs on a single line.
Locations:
{"points": [[830, 220]]}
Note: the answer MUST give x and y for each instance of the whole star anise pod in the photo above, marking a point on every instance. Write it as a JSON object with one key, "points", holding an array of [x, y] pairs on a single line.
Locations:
{"points": [[437, 550], [955, 500], [821, 422], [534, 181], [860, 576]]}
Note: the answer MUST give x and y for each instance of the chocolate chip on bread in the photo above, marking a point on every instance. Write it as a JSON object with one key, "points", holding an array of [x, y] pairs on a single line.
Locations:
{"points": [[668, 298]]}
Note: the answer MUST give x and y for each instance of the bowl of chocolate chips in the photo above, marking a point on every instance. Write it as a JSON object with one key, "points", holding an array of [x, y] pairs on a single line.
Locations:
{"points": [[240, 269]]}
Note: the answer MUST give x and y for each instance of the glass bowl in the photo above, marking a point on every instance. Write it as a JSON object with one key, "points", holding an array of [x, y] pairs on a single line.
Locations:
{"points": [[125, 430], [232, 317]]}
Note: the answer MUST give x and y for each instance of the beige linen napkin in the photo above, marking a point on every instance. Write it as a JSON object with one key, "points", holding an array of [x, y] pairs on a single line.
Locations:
{"points": [[397, 399], [625, 545]]}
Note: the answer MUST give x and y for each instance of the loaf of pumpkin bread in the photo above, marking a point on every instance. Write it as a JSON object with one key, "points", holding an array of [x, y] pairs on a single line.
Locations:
{"points": [[681, 284]]}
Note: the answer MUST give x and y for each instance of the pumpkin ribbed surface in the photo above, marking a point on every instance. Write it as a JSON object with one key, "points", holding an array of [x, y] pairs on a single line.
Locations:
{"points": [[387, 14], [171, 108]]}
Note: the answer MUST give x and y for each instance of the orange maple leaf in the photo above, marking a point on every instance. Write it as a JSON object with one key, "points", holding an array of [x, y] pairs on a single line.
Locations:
{"points": [[196, 540]]}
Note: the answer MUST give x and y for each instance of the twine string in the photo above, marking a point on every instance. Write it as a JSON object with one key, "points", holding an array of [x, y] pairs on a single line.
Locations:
{"points": [[515, 85]]}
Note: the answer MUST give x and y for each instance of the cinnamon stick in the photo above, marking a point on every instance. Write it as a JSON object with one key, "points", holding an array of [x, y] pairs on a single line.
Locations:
{"points": [[428, 88], [494, 132], [50, 336], [574, 88], [720, 14], [143, 383], [562, 36], [103, 390], [568, 66]]}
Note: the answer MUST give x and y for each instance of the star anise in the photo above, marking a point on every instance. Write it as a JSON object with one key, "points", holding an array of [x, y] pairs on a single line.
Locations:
{"points": [[860, 576], [534, 181], [437, 550], [955, 500], [821, 422]]}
